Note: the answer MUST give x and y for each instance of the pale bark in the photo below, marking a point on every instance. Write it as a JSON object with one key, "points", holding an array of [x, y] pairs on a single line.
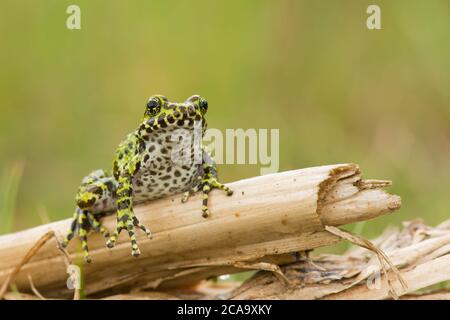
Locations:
{"points": [[266, 220], [421, 253]]}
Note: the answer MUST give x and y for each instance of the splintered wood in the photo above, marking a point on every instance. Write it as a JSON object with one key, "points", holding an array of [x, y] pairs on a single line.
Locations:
{"points": [[421, 253], [260, 227]]}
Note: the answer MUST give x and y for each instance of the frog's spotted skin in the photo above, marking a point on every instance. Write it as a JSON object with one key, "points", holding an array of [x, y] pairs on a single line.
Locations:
{"points": [[144, 169]]}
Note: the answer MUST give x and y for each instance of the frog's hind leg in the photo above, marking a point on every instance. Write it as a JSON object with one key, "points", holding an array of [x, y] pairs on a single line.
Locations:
{"points": [[83, 230], [96, 225], [73, 228], [87, 221], [95, 198], [80, 226], [83, 222]]}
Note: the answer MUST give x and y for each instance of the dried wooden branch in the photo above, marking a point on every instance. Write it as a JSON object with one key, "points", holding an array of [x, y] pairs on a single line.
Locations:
{"points": [[265, 221], [27, 257], [421, 253]]}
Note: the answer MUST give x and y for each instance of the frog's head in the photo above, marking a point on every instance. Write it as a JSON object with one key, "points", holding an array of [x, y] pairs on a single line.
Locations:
{"points": [[162, 114]]}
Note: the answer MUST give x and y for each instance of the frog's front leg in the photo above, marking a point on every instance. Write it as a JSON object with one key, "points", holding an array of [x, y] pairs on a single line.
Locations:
{"points": [[125, 215], [207, 181]]}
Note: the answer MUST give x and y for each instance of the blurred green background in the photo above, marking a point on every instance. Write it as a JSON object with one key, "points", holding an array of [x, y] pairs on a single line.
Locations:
{"points": [[337, 91]]}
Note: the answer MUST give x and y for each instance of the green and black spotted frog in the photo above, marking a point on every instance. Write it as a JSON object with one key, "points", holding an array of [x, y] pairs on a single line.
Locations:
{"points": [[159, 158]]}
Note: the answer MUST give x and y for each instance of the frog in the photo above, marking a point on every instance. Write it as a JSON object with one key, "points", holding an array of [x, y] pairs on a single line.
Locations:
{"points": [[157, 159]]}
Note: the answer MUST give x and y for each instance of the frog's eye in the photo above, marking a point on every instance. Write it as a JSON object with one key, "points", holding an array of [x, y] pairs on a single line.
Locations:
{"points": [[153, 106], [203, 104]]}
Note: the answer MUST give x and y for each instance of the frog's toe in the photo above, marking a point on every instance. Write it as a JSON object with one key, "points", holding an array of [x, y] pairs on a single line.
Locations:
{"points": [[127, 220], [135, 252], [72, 230], [223, 187], [205, 212], [104, 232], [87, 257], [110, 243], [96, 225], [189, 193], [147, 231], [112, 240], [186, 196], [67, 238]]}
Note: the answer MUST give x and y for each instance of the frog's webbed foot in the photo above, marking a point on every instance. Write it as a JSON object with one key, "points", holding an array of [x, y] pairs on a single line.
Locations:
{"points": [[192, 190], [84, 221], [126, 220], [206, 184]]}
